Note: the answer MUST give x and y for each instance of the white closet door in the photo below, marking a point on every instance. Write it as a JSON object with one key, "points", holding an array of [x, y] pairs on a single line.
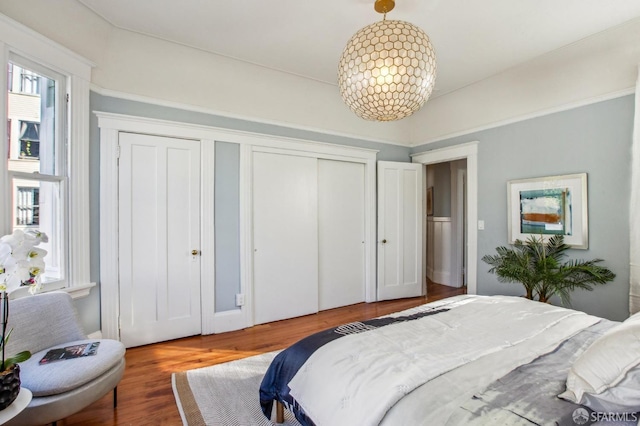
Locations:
{"points": [[285, 236], [341, 233], [159, 209]]}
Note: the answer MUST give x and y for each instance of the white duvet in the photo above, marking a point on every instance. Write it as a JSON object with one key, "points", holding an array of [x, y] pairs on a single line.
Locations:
{"points": [[408, 373]]}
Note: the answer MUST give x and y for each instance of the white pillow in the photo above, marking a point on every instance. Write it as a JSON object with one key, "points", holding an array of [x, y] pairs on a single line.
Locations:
{"points": [[606, 377]]}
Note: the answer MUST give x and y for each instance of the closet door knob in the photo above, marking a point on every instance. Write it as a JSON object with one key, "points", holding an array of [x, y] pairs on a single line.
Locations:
{"points": [[384, 241], [194, 252]]}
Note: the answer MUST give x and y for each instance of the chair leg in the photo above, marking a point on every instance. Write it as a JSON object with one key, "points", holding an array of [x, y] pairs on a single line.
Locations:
{"points": [[115, 398], [279, 412], [54, 423]]}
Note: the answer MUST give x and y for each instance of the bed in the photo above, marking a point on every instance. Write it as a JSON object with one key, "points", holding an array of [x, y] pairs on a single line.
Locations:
{"points": [[463, 360]]}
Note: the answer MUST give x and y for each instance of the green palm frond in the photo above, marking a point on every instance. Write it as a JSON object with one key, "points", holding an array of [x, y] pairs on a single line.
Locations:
{"points": [[539, 267]]}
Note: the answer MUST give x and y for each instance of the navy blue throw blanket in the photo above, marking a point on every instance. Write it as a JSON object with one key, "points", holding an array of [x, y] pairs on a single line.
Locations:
{"points": [[275, 384]]}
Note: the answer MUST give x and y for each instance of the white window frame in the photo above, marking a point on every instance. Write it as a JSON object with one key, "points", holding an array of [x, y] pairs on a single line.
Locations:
{"points": [[17, 39], [55, 171]]}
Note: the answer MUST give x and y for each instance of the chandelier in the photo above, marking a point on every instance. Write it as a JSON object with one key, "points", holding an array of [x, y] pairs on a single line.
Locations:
{"points": [[388, 69]]}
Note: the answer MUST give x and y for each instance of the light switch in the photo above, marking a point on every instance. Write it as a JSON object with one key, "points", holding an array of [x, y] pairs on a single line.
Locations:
{"points": [[481, 225]]}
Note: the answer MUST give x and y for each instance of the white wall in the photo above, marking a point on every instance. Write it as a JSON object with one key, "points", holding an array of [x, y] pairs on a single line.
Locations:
{"points": [[152, 69], [64, 21], [139, 67], [595, 68]]}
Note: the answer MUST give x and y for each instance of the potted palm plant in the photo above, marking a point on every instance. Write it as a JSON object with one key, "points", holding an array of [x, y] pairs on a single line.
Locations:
{"points": [[21, 264], [539, 267]]}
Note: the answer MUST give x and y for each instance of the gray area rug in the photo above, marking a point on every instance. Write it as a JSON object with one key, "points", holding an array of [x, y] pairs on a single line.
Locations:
{"points": [[224, 394]]}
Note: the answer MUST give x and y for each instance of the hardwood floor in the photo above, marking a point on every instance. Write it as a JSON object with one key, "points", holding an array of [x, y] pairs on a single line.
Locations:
{"points": [[145, 396]]}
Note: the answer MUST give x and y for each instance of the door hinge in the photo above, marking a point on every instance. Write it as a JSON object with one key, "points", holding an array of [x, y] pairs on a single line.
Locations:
{"points": [[118, 151], [67, 98]]}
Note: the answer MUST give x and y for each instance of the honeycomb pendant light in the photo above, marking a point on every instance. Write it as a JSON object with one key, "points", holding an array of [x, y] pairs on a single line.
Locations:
{"points": [[388, 69]]}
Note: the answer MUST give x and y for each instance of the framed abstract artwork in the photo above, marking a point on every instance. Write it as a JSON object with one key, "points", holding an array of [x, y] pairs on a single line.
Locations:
{"points": [[546, 206]]}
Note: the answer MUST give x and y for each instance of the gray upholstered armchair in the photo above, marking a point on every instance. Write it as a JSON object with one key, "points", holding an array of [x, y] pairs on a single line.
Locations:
{"points": [[61, 388]]}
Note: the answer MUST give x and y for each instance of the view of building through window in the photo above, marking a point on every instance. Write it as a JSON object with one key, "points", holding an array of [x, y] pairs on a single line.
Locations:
{"points": [[35, 160]]}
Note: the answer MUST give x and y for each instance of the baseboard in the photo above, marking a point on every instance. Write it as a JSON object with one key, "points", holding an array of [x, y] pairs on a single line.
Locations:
{"points": [[229, 321], [441, 277]]}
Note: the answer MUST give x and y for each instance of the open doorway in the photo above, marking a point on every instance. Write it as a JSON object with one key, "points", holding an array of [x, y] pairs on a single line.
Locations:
{"points": [[469, 192], [445, 223]]}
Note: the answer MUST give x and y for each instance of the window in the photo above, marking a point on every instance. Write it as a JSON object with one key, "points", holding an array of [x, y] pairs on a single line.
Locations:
{"points": [[47, 184], [36, 161], [29, 82], [27, 207], [10, 77], [29, 140]]}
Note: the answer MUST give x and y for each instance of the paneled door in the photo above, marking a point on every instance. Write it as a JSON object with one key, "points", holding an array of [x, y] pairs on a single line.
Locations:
{"points": [[285, 236], [159, 238], [400, 224], [341, 230]]}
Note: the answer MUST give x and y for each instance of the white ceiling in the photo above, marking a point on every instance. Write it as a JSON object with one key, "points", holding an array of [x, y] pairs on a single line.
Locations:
{"points": [[474, 39]]}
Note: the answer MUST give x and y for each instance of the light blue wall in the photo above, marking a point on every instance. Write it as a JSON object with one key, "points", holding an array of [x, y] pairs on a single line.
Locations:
{"points": [[121, 106], [442, 189], [227, 189], [595, 139], [227, 224]]}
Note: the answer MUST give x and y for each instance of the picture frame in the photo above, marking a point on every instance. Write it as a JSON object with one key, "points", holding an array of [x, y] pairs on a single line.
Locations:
{"points": [[430, 201], [551, 205]]}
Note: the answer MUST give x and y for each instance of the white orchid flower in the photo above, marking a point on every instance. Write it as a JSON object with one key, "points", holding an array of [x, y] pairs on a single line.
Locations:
{"points": [[5, 250], [5, 254], [39, 237], [35, 266], [10, 263], [14, 281], [35, 283], [21, 263], [22, 270], [33, 289], [14, 240], [5, 261], [21, 252], [35, 252]]}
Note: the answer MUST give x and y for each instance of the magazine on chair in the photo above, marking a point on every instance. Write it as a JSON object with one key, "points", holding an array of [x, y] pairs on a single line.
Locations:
{"points": [[70, 352]]}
